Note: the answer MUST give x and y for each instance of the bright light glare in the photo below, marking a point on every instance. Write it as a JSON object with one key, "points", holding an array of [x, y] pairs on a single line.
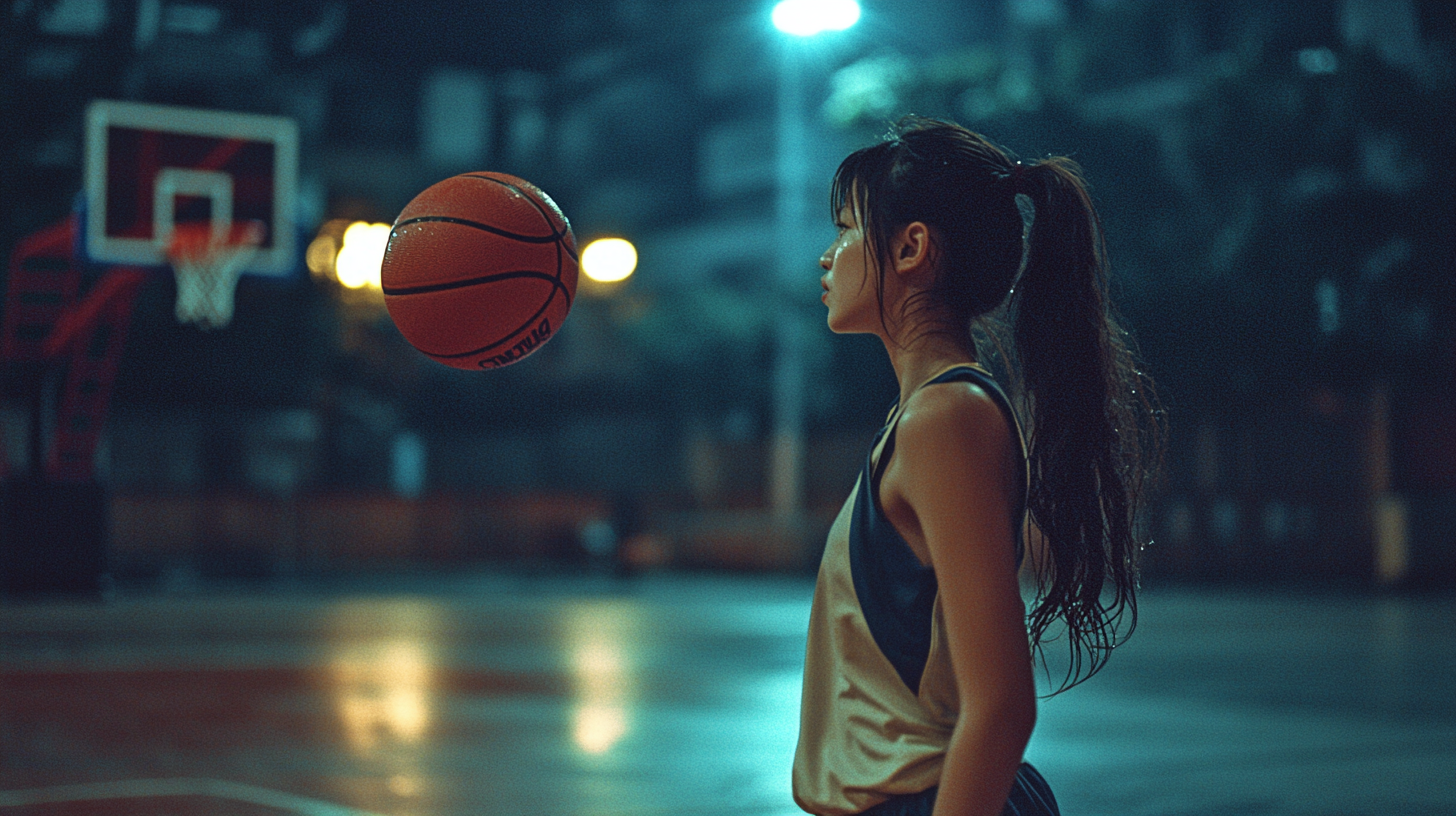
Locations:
{"points": [[362, 255], [609, 260], [321, 253], [599, 640], [382, 692], [596, 728], [805, 18]]}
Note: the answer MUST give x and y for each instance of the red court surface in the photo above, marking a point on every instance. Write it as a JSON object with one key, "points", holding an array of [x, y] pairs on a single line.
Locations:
{"points": [[671, 694]]}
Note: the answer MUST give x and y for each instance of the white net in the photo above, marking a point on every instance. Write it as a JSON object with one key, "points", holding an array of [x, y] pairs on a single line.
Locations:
{"points": [[207, 267]]}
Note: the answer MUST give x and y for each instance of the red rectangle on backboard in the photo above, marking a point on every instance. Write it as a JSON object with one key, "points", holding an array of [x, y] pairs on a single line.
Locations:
{"points": [[151, 166]]}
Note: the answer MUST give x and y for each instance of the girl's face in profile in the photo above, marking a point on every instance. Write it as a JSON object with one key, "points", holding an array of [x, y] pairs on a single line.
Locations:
{"points": [[849, 286]]}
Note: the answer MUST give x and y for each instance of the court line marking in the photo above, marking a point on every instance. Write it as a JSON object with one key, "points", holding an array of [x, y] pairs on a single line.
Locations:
{"points": [[143, 788]]}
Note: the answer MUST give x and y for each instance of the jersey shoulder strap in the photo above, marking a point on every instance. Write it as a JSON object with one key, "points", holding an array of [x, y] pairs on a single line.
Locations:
{"points": [[961, 373]]}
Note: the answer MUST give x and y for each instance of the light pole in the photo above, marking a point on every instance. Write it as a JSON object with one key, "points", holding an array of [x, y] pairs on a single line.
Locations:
{"points": [[797, 19]]}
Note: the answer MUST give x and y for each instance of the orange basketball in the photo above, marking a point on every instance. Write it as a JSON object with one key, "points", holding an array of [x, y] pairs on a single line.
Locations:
{"points": [[480, 270]]}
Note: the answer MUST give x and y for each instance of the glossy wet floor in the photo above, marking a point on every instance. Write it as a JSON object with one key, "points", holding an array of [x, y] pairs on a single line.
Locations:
{"points": [[674, 694]]}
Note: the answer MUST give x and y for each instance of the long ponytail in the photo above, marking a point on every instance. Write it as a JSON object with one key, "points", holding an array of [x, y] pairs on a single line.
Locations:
{"points": [[1093, 423], [1090, 413]]}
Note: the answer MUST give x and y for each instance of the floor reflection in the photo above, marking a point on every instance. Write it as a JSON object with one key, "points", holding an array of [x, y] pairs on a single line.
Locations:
{"points": [[382, 693], [383, 682], [600, 640], [677, 694]]}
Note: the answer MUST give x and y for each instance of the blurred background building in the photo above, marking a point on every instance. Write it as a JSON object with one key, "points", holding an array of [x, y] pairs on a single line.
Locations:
{"points": [[1275, 178]]}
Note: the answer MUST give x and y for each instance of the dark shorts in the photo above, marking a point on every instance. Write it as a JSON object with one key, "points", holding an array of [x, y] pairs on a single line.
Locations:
{"points": [[1030, 796]]}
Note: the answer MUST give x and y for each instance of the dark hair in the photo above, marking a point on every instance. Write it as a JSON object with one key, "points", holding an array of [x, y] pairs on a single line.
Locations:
{"points": [[1091, 414]]}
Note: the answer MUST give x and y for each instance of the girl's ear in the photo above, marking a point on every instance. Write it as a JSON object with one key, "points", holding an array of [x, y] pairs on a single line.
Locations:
{"points": [[912, 249]]}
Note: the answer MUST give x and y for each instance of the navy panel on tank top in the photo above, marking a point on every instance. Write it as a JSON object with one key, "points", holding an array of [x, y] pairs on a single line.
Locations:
{"points": [[896, 592]]}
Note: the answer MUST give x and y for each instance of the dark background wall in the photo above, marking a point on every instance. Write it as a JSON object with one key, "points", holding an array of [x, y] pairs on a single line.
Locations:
{"points": [[1275, 179]]}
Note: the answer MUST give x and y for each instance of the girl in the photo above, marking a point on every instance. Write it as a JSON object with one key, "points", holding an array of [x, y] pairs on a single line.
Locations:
{"points": [[918, 688]]}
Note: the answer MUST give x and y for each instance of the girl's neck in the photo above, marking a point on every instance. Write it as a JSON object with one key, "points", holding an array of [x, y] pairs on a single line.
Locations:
{"points": [[926, 354]]}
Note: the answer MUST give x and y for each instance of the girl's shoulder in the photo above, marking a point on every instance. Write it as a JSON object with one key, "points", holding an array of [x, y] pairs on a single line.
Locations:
{"points": [[950, 412], [952, 436]]}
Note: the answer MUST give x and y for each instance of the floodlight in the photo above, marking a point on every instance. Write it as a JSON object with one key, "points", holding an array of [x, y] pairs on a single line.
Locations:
{"points": [[805, 18], [609, 260], [362, 254]]}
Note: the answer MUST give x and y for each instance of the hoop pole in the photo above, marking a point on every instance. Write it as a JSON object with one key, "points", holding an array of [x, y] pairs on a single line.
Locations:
{"points": [[118, 283], [96, 348]]}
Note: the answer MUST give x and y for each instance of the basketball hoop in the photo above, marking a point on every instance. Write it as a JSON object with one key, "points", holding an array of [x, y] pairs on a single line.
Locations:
{"points": [[207, 264]]}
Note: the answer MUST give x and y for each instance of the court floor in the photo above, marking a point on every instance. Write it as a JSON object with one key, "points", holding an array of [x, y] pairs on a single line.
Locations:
{"points": [[673, 694]]}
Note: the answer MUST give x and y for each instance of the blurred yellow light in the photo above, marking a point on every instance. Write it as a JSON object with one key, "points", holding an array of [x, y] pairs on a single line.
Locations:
{"points": [[382, 692], [596, 727], [383, 685], [320, 254], [599, 640], [362, 255], [609, 260]]}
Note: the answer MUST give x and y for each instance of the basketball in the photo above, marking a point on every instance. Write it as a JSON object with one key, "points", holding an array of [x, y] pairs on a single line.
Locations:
{"points": [[480, 270]]}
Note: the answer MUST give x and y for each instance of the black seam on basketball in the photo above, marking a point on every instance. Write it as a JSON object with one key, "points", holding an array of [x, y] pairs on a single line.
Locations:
{"points": [[569, 251], [556, 286], [558, 273], [559, 235], [530, 239], [511, 335], [499, 276]]}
